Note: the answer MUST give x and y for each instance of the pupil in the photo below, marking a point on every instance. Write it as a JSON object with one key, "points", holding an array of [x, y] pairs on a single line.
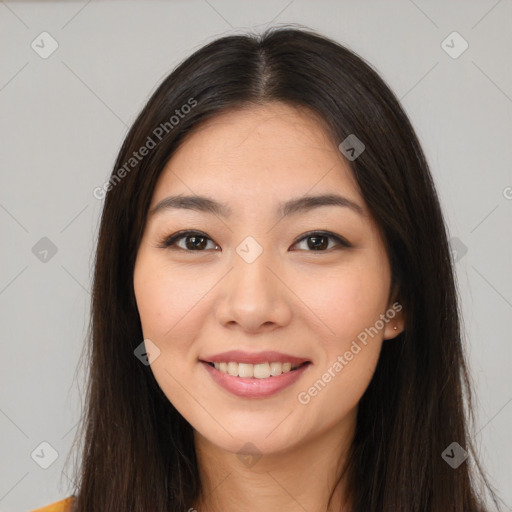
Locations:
{"points": [[316, 242], [193, 242]]}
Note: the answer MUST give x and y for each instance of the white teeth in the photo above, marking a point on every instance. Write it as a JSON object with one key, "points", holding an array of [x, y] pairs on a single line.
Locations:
{"points": [[245, 370], [262, 371], [276, 369], [258, 371], [233, 369]]}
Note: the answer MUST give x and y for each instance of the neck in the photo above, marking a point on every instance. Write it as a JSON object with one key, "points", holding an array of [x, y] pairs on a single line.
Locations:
{"points": [[308, 477]]}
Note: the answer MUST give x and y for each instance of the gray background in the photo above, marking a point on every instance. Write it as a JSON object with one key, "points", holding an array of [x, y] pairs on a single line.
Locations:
{"points": [[64, 118]]}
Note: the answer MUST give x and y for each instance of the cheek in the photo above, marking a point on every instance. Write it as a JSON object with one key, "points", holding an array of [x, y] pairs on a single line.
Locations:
{"points": [[347, 362], [350, 304], [165, 297], [345, 302], [168, 305]]}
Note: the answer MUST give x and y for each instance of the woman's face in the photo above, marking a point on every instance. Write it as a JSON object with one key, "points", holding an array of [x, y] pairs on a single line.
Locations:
{"points": [[259, 285]]}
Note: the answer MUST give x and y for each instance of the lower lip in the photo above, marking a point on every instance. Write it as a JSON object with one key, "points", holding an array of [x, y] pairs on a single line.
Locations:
{"points": [[252, 387]]}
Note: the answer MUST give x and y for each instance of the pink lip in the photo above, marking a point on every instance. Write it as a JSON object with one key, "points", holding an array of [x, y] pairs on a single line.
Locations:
{"points": [[254, 388], [261, 357]]}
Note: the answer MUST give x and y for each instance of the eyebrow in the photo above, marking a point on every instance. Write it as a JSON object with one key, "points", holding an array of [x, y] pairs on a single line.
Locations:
{"points": [[293, 206]]}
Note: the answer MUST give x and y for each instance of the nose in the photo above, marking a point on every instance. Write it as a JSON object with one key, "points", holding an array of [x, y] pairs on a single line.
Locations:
{"points": [[254, 297]]}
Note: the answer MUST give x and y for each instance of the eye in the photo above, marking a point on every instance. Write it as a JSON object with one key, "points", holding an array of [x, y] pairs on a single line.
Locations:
{"points": [[319, 241], [194, 241]]}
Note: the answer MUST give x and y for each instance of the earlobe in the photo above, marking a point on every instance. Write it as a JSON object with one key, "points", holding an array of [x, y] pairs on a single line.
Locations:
{"points": [[395, 314], [395, 325]]}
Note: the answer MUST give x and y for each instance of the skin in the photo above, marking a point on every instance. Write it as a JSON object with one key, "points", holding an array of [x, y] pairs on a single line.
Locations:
{"points": [[291, 299]]}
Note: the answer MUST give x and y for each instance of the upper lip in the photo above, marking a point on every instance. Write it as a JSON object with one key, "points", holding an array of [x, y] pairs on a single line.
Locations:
{"points": [[267, 356]]}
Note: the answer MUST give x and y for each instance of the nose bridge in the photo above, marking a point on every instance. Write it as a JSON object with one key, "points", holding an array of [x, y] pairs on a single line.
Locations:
{"points": [[253, 296], [251, 273]]}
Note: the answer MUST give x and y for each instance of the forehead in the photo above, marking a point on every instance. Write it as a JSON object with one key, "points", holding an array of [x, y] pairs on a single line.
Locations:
{"points": [[258, 152]]}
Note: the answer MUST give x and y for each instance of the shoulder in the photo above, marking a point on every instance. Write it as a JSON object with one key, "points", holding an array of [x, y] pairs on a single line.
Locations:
{"points": [[59, 506]]}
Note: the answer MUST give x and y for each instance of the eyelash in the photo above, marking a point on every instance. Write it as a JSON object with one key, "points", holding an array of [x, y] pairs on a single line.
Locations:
{"points": [[170, 241]]}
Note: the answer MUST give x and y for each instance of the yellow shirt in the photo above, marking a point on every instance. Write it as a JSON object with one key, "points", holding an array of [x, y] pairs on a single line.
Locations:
{"points": [[59, 506]]}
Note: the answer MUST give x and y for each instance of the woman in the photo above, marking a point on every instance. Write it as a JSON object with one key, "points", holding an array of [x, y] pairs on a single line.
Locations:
{"points": [[274, 315]]}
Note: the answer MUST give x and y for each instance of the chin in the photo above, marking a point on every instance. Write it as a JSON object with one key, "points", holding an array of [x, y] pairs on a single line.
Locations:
{"points": [[250, 438]]}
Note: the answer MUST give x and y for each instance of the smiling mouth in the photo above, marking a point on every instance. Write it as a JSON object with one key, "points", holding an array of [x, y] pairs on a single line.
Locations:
{"points": [[256, 371]]}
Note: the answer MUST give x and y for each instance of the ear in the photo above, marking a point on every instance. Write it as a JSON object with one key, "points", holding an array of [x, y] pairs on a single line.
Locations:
{"points": [[395, 314]]}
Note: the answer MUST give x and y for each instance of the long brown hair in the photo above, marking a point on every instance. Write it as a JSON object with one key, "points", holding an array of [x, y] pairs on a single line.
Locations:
{"points": [[137, 451]]}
